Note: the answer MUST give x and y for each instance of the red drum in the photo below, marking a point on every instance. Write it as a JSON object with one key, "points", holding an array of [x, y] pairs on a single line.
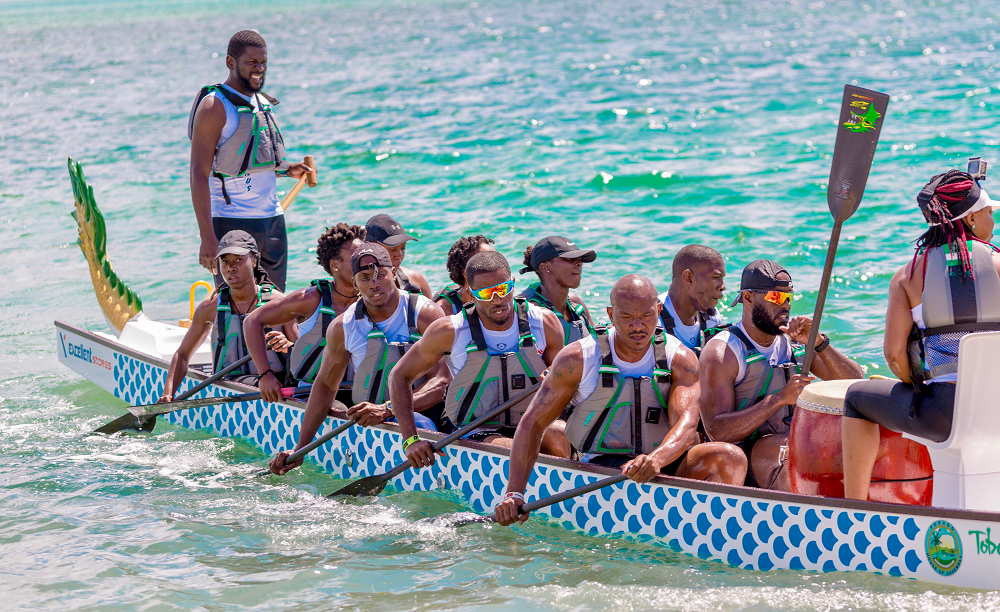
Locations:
{"points": [[902, 473]]}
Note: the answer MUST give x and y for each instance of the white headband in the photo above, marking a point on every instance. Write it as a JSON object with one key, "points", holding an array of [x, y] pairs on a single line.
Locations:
{"points": [[983, 201]]}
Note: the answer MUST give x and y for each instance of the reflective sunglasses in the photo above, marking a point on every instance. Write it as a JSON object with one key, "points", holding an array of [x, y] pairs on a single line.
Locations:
{"points": [[777, 297], [486, 294]]}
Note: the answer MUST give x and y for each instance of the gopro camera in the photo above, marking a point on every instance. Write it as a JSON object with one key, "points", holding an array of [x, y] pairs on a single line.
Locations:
{"points": [[977, 168]]}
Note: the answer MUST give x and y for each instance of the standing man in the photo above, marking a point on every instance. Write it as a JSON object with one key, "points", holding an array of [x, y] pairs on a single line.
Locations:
{"points": [[386, 231], [750, 376], [632, 374], [237, 153], [688, 312], [313, 309], [558, 262], [372, 335]]}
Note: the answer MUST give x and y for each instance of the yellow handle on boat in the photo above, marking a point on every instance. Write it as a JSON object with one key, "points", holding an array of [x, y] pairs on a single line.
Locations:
{"points": [[194, 288]]}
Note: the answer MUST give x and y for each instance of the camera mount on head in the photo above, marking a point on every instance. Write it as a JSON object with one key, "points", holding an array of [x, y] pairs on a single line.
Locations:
{"points": [[977, 168]]}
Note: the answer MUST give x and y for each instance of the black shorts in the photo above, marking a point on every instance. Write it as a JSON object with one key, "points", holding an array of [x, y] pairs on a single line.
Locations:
{"points": [[616, 461], [895, 405], [272, 242]]}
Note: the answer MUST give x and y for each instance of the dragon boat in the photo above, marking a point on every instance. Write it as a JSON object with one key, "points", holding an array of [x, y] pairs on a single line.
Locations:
{"points": [[748, 528]]}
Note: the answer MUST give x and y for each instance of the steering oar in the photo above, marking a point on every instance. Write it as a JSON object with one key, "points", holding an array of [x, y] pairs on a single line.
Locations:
{"points": [[373, 485]]}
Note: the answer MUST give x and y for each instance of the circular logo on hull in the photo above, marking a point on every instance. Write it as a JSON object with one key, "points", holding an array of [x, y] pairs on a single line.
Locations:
{"points": [[943, 547]]}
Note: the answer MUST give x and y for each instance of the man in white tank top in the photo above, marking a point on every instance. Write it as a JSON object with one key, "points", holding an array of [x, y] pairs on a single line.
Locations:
{"points": [[247, 202], [347, 342], [697, 285]]}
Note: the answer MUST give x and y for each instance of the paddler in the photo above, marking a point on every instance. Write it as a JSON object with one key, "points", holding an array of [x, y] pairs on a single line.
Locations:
{"points": [[558, 262], [236, 154], [698, 282], [453, 297], [386, 231], [495, 350], [630, 374], [750, 377], [313, 309], [246, 287], [371, 335], [953, 280]]}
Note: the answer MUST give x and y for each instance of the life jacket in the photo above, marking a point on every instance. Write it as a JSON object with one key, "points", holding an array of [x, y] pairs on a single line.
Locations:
{"points": [[307, 353], [486, 381], [372, 376], [578, 326], [256, 144], [451, 293], [707, 333], [954, 305], [230, 328], [623, 415], [403, 282], [761, 379]]}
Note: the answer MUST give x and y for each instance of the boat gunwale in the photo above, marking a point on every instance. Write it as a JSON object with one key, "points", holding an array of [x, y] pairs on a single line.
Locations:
{"points": [[555, 462]]}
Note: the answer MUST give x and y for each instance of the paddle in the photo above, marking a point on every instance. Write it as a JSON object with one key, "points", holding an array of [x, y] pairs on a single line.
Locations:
{"points": [[373, 485], [129, 421], [861, 117], [294, 191], [168, 407], [308, 448], [548, 501]]}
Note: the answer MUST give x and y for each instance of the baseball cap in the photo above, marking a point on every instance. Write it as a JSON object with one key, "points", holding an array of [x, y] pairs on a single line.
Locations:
{"points": [[556, 246], [761, 275], [370, 249], [385, 229], [237, 242]]}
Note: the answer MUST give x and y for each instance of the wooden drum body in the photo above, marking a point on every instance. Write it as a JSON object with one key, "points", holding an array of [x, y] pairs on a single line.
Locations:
{"points": [[815, 458]]}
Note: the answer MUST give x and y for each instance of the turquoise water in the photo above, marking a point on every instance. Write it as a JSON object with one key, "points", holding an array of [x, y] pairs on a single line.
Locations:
{"points": [[632, 128]]}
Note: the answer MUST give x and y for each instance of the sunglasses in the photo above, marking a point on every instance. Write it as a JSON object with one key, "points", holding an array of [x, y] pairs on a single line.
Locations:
{"points": [[500, 290], [777, 297]]}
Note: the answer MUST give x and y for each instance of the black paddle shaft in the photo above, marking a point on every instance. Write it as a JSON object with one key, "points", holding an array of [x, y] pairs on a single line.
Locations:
{"points": [[861, 117], [308, 448], [373, 485]]}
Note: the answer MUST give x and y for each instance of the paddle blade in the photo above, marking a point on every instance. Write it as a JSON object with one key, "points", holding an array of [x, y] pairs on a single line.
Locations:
{"points": [[861, 116], [371, 485], [129, 422]]}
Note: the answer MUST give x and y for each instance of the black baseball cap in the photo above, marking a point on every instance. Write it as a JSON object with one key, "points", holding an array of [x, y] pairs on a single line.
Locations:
{"points": [[237, 242], [556, 246], [385, 229], [370, 249], [762, 275]]}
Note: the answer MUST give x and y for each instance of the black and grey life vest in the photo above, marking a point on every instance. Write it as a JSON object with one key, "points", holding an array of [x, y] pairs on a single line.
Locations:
{"points": [[623, 415], [256, 144], [578, 326], [486, 381], [372, 376], [230, 328], [403, 282], [453, 294], [307, 353], [761, 379], [707, 333], [954, 305]]}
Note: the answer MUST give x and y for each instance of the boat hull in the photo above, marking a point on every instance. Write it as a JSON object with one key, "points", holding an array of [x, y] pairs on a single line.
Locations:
{"points": [[747, 528]]}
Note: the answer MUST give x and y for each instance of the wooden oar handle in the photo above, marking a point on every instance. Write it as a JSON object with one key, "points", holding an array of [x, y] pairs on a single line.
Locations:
{"points": [[309, 178], [312, 178]]}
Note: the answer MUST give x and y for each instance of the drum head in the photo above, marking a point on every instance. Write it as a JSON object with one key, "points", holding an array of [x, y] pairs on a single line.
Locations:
{"points": [[825, 396]]}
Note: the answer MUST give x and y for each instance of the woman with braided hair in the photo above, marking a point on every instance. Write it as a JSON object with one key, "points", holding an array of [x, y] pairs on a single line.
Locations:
{"points": [[950, 288]]}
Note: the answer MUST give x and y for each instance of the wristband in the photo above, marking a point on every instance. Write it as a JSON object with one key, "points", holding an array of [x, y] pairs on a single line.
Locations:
{"points": [[514, 495], [268, 371], [409, 442], [822, 345]]}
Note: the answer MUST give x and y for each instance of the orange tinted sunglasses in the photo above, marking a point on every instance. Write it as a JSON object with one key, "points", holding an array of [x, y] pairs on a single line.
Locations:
{"points": [[778, 297]]}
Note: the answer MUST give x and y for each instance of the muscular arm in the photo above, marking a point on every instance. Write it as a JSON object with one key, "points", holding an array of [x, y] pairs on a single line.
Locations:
{"points": [[324, 390], [434, 388], [201, 325], [423, 356], [898, 323], [284, 311], [717, 371], [209, 120], [553, 337], [682, 408]]}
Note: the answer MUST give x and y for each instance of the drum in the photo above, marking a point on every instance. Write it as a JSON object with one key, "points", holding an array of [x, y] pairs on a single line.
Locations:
{"points": [[902, 472]]}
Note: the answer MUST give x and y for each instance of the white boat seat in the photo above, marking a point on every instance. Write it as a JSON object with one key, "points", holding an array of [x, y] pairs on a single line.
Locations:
{"points": [[967, 464]]}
